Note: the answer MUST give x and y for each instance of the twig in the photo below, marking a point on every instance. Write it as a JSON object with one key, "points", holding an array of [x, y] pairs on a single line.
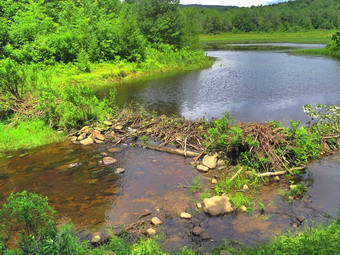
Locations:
{"points": [[237, 173]]}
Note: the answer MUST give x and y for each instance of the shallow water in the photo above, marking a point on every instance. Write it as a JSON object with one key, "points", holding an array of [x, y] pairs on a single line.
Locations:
{"points": [[251, 85], [95, 198]]}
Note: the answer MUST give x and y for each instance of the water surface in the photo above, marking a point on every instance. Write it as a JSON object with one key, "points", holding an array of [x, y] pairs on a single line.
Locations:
{"points": [[251, 85]]}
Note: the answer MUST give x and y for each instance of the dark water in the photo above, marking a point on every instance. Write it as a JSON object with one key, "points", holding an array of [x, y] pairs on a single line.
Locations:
{"points": [[251, 85]]}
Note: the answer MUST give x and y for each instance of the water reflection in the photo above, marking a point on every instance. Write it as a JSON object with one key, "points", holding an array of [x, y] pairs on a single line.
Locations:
{"points": [[252, 85]]}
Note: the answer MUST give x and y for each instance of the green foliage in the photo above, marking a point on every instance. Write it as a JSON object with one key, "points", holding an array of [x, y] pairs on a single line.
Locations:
{"points": [[26, 134], [323, 239], [74, 106], [196, 184], [306, 146], [334, 44], [34, 218]]}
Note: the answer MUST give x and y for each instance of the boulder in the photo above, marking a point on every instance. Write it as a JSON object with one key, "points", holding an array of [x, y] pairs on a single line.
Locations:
{"points": [[109, 160], [202, 168], [87, 141], [185, 215], [156, 221], [210, 161], [217, 205]]}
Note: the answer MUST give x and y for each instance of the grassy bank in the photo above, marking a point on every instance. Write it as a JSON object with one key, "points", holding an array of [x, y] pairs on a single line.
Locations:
{"points": [[321, 52], [315, 36], [63, 95]]}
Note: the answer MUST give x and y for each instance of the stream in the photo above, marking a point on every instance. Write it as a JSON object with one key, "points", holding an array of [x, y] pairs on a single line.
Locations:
{"points": [[253, 86]]}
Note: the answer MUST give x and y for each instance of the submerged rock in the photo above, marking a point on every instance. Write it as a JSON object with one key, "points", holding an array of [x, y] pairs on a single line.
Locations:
{"points": [[96, 238], [210, 161], [113, 149], [87, 141], [109, 160], [217, 205], [197, 231]]}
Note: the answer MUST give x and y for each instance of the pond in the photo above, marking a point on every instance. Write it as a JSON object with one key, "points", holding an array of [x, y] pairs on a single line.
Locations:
{"points": [[253, 85]]}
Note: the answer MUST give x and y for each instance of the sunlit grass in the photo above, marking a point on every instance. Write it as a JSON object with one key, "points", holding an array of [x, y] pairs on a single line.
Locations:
{"points": [[316, 36], [28, 134]]}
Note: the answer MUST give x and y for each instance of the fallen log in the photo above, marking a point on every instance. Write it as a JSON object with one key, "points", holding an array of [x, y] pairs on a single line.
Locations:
{"points": [[267, 174], [172, 151]]}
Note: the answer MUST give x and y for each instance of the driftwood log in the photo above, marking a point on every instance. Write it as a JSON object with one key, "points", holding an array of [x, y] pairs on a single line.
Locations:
{"points": [[267, 174], [172, 151]]}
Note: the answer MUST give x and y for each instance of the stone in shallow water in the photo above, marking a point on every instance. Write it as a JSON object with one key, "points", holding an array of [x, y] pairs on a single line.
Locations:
{"points": [[197, 231], [202, 168], [87, 141], [120, 170], [217, 205], [156, 221], [109, 160], [185, 215]]}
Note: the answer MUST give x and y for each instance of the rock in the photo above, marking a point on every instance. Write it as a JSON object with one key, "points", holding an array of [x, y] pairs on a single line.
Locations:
{"points": [[96, 238], [220, 163], [74, 165], [243, 208], [277, 178], [108, 123], [245, 187], [87, 141], [210, 161], [217, 205], [185, 215], [300, 218], [214, 181], [97, 135], [109, 160], [205, 236], [114, 149], [104, 154], [81, 137], [199, 205], [119, 170], [98, 141], [74, 138], [151, 231], [156, 221], [154, 161], [202, 168], [119, 127], [197, 231]]}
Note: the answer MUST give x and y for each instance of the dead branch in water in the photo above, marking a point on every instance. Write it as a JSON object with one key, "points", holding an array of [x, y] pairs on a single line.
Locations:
{"points": [[267, 174], [172, 151]]}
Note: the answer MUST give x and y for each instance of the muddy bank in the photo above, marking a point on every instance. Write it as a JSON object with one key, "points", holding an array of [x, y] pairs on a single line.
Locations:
{"points": [[95, 198]]}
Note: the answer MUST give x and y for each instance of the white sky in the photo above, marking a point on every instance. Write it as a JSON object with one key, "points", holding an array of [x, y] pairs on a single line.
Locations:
{"points": [[231, 2]]}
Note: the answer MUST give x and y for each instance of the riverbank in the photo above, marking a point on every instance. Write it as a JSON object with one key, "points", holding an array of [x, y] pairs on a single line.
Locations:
{"points": [[321, 52], [315, 36], [63, 96]]}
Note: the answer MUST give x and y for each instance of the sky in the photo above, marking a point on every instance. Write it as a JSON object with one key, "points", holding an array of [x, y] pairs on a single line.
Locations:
{"points": [[232, 2]]}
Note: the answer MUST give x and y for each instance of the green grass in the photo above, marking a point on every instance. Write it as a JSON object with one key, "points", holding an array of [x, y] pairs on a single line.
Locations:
{"points": [[27, 134], [316, 36], [324, 239], [323, 52]]}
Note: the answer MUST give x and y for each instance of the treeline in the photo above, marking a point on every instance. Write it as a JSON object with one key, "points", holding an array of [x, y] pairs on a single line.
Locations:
{"points": [[292, 16], [48, 31]]}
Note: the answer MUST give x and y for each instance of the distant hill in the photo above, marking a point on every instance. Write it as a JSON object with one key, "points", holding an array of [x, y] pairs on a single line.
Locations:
{"points": [[215, 7]]}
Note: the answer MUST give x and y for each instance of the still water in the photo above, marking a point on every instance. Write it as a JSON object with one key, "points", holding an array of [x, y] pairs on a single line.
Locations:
{"points": [[252, 85]]}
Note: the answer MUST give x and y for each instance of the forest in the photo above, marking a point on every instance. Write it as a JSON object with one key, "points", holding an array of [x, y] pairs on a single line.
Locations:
{"points": [[291, 16]]}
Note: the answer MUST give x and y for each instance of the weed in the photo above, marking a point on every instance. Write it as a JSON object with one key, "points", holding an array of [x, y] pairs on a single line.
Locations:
{"points": [[196, 184]]}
